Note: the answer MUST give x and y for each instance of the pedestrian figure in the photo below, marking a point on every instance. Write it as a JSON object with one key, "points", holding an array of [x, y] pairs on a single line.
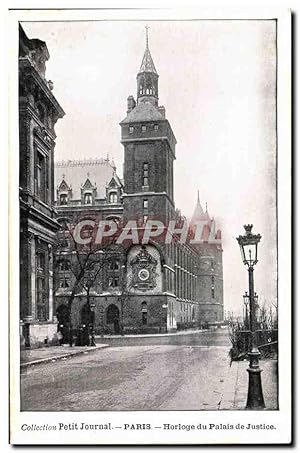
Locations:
{"points": [[60, 335]]}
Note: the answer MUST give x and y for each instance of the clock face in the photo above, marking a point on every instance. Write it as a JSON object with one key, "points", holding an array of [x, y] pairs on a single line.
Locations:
{"points": [[143, 275]]}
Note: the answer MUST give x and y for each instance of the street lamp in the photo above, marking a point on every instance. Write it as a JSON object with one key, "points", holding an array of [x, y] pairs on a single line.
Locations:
{"points": [[92, 313], [248, 245]]}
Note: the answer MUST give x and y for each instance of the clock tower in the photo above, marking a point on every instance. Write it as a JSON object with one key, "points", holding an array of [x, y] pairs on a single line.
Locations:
{"points": [[149, 151]]}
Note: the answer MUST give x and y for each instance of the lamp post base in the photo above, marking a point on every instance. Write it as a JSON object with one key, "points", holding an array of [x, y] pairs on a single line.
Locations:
{"points": [[255, 400]]}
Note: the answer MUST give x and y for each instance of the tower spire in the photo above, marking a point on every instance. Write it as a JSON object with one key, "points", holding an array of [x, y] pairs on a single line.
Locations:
{"points": [[147, 37], [147, 78]]}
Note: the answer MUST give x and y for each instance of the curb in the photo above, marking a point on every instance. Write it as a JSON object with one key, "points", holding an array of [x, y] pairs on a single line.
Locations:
{"points": [[25, 365], [149, 335]]}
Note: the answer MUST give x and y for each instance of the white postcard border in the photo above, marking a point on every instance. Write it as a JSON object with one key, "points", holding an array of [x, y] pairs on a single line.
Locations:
{"points": [[281, 419]]}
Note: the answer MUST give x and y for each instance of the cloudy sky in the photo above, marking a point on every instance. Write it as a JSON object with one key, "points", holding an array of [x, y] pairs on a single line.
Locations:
{"points": [[217, 82]]}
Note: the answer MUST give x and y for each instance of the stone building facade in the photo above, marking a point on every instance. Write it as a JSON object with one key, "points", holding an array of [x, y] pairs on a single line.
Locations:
{"points": [[135, 287], [38, 113]]}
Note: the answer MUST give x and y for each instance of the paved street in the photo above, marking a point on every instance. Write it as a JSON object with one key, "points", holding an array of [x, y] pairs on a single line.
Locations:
{"points": [[146, 374], [186, 372]]}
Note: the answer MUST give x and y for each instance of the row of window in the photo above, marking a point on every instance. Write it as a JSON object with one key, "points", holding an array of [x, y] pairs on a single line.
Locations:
{"points": [[88, 198], [65, 265], [113, 282], [147, 90], [143, 128]]}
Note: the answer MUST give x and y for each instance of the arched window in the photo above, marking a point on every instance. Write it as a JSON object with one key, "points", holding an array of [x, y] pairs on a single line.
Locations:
{"points": [[112, 314], [113, 197]]}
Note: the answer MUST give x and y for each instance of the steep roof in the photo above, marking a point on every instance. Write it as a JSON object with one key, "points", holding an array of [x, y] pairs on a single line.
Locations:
{"points": [[147, 62], [75, 173], [144, 111], [199, 214]]}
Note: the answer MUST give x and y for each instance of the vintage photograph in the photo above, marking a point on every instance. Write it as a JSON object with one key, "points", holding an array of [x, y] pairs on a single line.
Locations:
{"points": [[148, 219]]}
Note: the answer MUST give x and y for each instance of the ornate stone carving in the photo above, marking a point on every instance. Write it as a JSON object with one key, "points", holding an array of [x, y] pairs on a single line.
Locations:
{"points": [[38, 57], [144, 270], [43, 134]]}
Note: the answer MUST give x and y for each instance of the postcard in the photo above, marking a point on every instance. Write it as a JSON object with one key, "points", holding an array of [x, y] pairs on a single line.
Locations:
{"points": [[150, 215]]}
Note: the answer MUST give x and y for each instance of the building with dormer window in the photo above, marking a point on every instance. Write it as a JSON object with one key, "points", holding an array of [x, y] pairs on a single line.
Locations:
{"points": [[155, 287]]}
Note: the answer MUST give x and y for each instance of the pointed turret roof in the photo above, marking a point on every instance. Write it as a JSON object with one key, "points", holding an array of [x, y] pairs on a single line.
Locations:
{"points": [[147, 62], [198, 212]]}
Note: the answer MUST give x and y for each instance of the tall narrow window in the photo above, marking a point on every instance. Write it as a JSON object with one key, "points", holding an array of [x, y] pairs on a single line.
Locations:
{"points": [[114, 266], [64, 283], [144, 313], [213, 293], [65, 243], [40, 177], [212, 281], [63, 199], [113, 281], [145, 204], [41, 299], [144, 128], [88, 198], [193, 314], [64, 265], [113, 197], [131, 129]]}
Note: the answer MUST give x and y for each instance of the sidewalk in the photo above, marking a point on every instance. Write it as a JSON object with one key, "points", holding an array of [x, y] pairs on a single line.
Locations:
{"points": [[52, 353], [235, 395]]}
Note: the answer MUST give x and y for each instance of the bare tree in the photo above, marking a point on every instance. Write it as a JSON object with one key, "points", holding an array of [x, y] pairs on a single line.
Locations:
{"points": [[84, 264], [87, 265]]}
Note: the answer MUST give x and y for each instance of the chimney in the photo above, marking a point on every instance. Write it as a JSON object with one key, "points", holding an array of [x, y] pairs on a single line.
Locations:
{"points": [[130, 104], [162, 111]]}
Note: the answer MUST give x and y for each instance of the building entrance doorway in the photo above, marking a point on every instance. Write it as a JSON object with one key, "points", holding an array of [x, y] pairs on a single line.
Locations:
{"points": [[113, 317]]}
